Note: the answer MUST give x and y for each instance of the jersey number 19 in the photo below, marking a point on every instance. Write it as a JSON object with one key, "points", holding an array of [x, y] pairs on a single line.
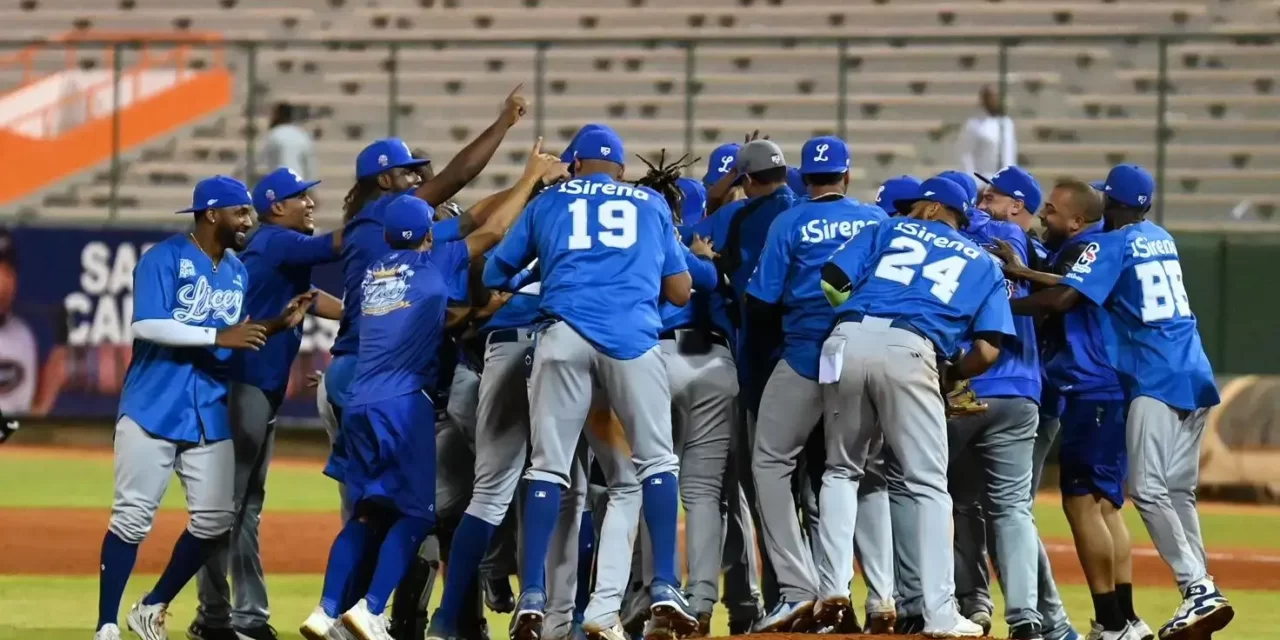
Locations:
{"points": [[618, 217], [944, 273]]}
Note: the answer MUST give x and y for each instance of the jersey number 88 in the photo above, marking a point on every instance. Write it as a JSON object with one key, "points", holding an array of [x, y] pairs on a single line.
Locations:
{"points": [[618, 217]]}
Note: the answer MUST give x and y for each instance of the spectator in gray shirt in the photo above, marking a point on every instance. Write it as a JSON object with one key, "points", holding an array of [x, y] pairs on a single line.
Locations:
{"points": [[288, 145]]}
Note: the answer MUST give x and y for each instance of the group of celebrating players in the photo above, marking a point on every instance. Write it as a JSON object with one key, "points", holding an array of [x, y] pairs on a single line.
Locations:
{"points": [[846, 379]]}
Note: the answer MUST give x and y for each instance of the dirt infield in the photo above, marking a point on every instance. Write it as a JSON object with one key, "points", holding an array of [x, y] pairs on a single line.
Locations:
{"points": [[67, 542]]}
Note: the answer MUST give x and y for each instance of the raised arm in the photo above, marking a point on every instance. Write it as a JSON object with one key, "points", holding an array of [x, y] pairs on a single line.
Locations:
{"points": [[540, 167], [475, 156]]}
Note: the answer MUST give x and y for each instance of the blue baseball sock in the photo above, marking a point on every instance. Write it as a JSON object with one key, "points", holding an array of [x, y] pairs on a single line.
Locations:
{"points": [[189, 554], [586, 560], [661, 495], [397, 552], [343, 556], [116, 564], [470, 542], [366, 561], [541, 509]]}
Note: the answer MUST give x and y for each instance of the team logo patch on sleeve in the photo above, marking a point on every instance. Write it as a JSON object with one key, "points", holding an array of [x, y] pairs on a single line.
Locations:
{"points": [[1087, 258]]}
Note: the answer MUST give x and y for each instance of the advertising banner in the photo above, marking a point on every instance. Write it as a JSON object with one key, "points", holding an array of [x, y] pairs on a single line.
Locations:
{"points": [[66, 303]]}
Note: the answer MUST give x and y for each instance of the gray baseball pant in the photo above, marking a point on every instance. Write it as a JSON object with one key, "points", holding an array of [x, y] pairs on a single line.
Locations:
{"points": [[1003, 437], [564, 367], [1164, 470], [789, 410], [703, 392], [889, 385], [253, 416]]}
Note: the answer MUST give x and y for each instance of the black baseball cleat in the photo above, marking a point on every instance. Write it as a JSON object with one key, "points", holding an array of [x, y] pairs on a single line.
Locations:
{"points": [[909, 625], [497, 594], [199, 631], [260, 632], [1026, 631]]}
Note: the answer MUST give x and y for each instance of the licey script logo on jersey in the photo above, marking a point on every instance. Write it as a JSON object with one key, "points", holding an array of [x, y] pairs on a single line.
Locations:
{"points": [[384, 288], [197, 301]]}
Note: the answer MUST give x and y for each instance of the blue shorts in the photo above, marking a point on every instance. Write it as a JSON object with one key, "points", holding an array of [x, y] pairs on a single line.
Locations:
{"points": [[336, 381], [392, 444], [1093, 457]]}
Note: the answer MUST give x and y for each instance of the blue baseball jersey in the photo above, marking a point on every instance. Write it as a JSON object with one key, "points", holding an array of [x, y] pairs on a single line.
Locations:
{"points": [[789, 272], [363, 244], [1154, 345], [705, 278], [753, 230], [279, 262], [402, 321], [180, 393], [1075, 348], [601, 246], [928, 275], [1017, 373]]}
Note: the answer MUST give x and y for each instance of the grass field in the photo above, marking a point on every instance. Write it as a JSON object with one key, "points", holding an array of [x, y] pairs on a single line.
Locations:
{"points": [[41, 607]]}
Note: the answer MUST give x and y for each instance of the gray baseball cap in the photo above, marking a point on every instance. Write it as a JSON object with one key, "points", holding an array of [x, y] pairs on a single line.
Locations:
{"points": [[759, 155]]}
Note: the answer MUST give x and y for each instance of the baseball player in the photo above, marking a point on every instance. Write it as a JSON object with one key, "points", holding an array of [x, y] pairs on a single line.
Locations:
{"points": [[1132, 271], [786, 290], [741, 557], [894, 189], [390, 421], [704, 388], [906, 292], [1011, 199], [278, 258], [188, 298], [738, 230], [721, 180], [1093, 458], [615, 249], [992, 450]]}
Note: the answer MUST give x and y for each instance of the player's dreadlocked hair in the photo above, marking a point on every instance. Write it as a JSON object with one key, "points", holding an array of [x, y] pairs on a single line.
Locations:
{"points": [[362, 192], [662, 178]]}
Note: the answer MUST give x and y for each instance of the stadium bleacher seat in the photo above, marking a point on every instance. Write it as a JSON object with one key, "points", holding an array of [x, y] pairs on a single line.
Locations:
{"points": [[1079, 105]]}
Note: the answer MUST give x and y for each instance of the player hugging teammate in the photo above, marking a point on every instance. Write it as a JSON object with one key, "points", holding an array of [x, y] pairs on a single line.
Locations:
{"points": [[571, 359]]}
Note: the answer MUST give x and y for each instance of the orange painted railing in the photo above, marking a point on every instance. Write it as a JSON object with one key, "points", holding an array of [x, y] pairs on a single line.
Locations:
{"points": [[33, 163]]}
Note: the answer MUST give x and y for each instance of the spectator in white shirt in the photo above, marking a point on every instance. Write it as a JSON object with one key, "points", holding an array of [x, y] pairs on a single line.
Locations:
{"points": [[987, 142], [288, 145]]}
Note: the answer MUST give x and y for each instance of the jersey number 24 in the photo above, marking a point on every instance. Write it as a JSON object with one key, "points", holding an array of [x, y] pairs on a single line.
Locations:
{"points": [[618, 217], [900, 267]]}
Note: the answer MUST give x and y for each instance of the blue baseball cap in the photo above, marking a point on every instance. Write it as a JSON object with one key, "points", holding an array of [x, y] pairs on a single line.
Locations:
{"points": [[1100, 185], [218, 192], [824, 154], [600, 144], [721, 162], [382, 155], [795, 180], [567, 155], [694, 206], [1129, 184], [966, 182], [1015, 182], [894, 189], [407, 219], [936, 189], [277, 186]]}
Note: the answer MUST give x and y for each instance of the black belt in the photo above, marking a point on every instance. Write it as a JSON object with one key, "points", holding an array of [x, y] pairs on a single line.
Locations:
{"points": [[896, 323], [504, 335], [714, 337]]}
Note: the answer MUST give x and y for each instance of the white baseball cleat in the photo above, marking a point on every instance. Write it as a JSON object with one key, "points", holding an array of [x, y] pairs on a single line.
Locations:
{"points": [[319, 626], [1138, 630], [147, 620], [107, 632], [963, 628], [1203, 612], [364, 625]]}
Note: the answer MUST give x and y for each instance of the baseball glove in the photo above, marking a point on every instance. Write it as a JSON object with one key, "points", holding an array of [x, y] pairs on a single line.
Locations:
{"points": [[962, 401]]}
